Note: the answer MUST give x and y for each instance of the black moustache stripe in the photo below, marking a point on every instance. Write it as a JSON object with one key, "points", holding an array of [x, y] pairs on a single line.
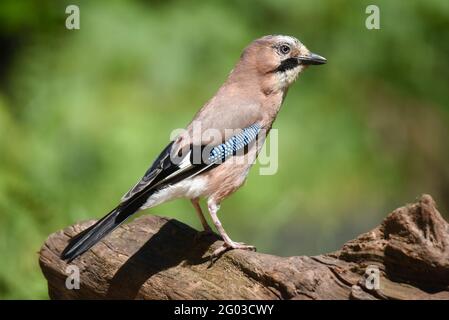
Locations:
{"points": [[287, 64]]}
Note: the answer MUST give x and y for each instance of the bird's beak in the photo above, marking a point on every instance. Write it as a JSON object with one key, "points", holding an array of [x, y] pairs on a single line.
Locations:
{"points": [[312, 58]]}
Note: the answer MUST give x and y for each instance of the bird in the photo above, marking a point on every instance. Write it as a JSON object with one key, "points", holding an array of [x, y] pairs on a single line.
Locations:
{"points": [[210, 159]]}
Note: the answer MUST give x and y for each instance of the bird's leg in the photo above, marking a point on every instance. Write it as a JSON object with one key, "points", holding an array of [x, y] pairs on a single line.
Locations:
{"points": [[228, 243], [206, 228]]}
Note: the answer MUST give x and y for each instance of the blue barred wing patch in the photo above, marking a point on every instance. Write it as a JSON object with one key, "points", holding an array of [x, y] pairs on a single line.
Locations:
{"points": [[229, 148]]}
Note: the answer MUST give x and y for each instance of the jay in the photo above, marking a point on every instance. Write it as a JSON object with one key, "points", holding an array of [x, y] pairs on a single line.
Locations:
{"points": [[211, 158]]}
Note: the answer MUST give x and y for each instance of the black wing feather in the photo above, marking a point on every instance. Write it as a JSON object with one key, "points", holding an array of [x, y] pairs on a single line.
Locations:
{"points": [[160, 174]]}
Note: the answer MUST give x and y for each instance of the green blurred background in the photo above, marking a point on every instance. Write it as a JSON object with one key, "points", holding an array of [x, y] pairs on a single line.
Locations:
{"points": [[83, 114]]}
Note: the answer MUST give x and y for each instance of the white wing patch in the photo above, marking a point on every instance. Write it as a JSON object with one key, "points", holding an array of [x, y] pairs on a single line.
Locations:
{"points": [[190, 188]]}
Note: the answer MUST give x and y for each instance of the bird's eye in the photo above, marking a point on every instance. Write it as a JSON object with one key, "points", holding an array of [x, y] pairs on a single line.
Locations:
{"points": [[284, 49]]}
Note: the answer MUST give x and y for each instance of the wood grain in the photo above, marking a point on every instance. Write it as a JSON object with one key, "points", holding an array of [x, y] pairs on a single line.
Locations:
{"points": [[159, 258]]}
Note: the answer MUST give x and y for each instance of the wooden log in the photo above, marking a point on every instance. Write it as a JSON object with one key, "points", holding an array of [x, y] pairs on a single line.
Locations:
{"points": [[159, 258]]}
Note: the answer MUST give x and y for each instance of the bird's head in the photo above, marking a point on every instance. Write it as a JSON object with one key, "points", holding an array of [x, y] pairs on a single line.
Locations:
{"points": [[281, 58]]}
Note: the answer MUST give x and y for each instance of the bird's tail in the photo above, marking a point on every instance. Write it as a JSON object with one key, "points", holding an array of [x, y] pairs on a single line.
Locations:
{"points": [[92, 235]]}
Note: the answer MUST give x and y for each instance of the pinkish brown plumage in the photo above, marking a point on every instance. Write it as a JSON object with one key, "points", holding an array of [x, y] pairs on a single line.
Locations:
{"points": [[252, 95]]}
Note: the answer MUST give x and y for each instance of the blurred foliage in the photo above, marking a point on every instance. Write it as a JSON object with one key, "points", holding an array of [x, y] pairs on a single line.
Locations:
{"points": [[83, 113]]}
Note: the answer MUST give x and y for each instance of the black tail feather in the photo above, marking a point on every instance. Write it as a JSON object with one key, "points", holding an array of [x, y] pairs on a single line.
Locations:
{"points": [[89, 237], [92, 235]]}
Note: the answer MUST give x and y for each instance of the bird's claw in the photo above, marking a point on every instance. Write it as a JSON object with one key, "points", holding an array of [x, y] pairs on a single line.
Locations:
{"points": [[231, 246], [241, 245]]}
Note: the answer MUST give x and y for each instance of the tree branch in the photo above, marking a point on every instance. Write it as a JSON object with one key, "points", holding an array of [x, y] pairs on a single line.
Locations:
{"points": [[160, 258]]}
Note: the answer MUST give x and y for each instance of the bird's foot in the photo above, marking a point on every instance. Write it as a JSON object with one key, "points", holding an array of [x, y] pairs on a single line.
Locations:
{"points": [[230, 246]]}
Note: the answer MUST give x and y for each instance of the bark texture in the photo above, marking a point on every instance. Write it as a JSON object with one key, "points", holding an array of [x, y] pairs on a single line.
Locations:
{"points": [[159, 258]]}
